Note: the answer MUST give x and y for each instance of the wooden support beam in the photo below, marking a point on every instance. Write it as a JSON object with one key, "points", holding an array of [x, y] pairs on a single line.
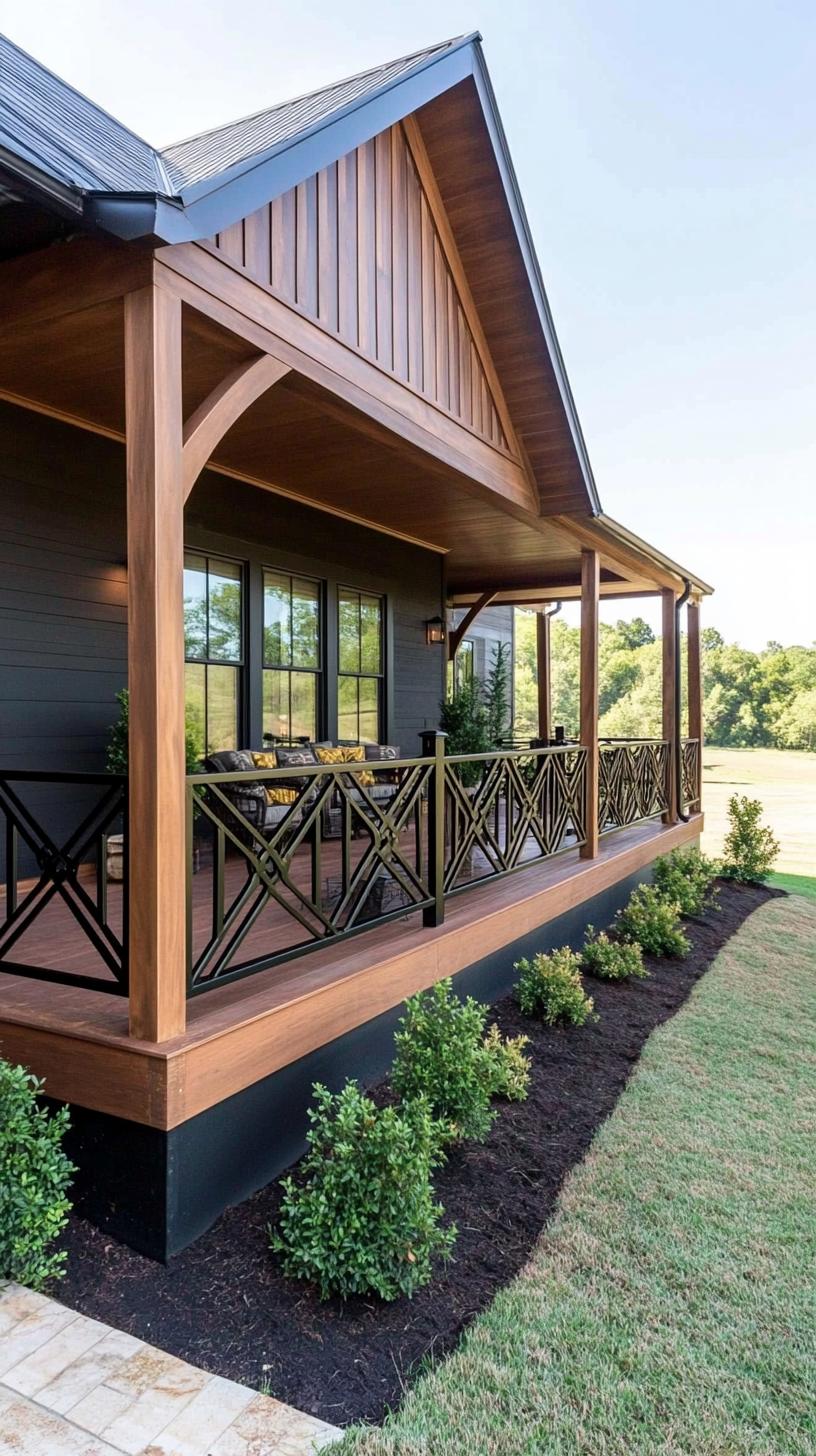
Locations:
{"points": [[155, 537], [543, 664], [590, 598], [670, 704], [457, 633], [222, 407], [695, 687]]}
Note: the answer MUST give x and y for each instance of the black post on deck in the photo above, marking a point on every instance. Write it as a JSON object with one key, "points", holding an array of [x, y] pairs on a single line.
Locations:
{"points": [[433, 746]]}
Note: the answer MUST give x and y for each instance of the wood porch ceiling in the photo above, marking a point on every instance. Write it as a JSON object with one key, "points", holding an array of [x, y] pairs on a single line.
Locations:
{"points": [[302, 441]]}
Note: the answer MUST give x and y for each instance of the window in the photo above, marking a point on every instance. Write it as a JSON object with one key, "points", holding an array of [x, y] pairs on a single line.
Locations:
{"points": [[360, 665], [461, 669], [291, 656], [213, 649]]}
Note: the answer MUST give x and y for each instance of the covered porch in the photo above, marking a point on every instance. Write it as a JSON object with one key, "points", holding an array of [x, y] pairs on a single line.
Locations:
{"points": [[176, 356]]}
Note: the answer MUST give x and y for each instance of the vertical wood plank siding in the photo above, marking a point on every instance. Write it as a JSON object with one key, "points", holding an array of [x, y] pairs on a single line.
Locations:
{"points": [[356, 247]]}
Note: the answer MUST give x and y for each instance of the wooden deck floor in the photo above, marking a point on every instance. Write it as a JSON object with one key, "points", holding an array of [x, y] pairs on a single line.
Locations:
{"points": [[240, 1032]]}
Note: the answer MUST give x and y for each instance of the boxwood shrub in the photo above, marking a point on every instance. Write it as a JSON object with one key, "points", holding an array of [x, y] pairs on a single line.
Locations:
{"points": [[611, 960], [509, 1066], [550, 986], [750, 849], [35, 1175], [441, 1055], [361, 1217], [687, 877], [652, 922]]}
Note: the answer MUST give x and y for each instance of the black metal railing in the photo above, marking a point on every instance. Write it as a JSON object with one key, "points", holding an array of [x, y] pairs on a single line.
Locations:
{"points": [[690, 768], [58, 908], [350, 846], [505, 811], [633, 781], [348, 849]]}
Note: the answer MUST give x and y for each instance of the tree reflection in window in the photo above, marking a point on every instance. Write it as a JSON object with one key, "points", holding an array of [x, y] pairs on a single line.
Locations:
{"points": [[213, 648], [360, 663], [291, 656]]}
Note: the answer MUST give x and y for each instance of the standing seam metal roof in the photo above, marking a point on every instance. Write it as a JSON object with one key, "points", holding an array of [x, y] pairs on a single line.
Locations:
{"points": [[62, 133], [59, 131], [212, 152]]}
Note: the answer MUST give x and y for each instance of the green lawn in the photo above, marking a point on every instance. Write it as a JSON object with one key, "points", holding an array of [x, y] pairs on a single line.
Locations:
{"points": [[669, 1305], [795, 884]]}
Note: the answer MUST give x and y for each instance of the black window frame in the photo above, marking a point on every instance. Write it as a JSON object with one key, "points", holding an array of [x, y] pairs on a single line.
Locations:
{"points": [[319, 673], [345, 588], [208, 661]]}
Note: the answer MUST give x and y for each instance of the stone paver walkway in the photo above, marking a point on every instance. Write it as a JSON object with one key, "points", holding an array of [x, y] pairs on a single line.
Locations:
{"points": [[70, 1386]]}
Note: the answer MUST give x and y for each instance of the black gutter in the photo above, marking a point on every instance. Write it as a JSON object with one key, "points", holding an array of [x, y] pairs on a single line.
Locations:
{"points": [[678, 726]]}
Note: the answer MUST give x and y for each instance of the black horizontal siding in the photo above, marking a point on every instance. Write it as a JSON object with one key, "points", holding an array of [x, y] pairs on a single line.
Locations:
{"points": [[63, 592]]}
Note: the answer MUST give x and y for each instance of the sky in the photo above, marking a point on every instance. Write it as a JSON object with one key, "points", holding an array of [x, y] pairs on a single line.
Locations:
{"points": [[667, 157]]}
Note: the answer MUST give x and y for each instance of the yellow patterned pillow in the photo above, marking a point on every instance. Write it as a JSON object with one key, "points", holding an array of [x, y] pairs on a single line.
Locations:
{"points": [[265, 760], [331, 755], [352, 753], [274, 794]]}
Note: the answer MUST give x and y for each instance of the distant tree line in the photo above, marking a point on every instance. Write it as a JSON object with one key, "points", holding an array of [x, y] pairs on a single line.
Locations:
{"points": [[750, 699]]}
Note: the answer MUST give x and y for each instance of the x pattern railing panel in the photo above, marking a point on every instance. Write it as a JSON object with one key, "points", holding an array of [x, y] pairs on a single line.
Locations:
{"points": [[381, 848], [690, 761], [632, 782], [506, 811], [61, 872]]}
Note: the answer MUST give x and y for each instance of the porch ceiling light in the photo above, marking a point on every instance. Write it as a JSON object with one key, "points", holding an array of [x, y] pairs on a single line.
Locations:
{"points": [[435, 631]]}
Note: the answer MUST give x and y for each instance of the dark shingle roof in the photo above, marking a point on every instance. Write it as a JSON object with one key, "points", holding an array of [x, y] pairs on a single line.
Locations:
{"points": [[213, 152], [61, 133]]}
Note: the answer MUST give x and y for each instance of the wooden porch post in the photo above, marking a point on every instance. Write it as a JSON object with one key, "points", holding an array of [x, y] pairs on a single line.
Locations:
{"points": [[590, 597], [670, 705], [695, 688], [155, 535], [544, 676]]}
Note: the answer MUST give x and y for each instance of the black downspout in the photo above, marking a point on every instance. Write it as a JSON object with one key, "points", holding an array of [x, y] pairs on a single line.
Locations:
{"points": [[678, 725]]}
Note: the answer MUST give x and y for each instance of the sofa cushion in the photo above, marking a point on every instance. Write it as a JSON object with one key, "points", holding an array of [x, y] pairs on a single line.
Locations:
{"points": [[230, 760], [276, 793], [347, 753], [382, 751]]}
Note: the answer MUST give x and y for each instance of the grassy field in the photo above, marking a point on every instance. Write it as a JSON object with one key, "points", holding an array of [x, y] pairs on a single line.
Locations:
{"points": [[786, 785], [668, 1308]]}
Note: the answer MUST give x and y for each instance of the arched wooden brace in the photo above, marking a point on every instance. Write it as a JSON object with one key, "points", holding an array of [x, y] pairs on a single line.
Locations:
{"points": [[457, 633], [225, 404]]}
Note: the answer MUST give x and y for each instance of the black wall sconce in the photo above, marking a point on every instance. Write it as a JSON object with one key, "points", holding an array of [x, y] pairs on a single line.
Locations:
{"points": [[435, 632]]}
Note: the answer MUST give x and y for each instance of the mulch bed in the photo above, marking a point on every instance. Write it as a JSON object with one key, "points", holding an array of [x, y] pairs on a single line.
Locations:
{"points": [[224, 1304]]}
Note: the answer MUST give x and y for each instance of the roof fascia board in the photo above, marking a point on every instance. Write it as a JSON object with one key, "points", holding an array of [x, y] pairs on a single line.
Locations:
{"points": [[34, 180], [525, 241], [629, 538]]}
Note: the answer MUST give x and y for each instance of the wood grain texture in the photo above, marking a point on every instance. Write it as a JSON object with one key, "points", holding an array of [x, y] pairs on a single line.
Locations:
{"points": [[695, 686], [155, 536], [206, 427], [544, 665], [235, 1036], [590, 598], [364, 248], [670, 705], [257, 314]]}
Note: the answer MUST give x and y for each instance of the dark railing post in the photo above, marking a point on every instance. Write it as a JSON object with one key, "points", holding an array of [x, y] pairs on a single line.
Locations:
{"points": [[433, 746]]}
